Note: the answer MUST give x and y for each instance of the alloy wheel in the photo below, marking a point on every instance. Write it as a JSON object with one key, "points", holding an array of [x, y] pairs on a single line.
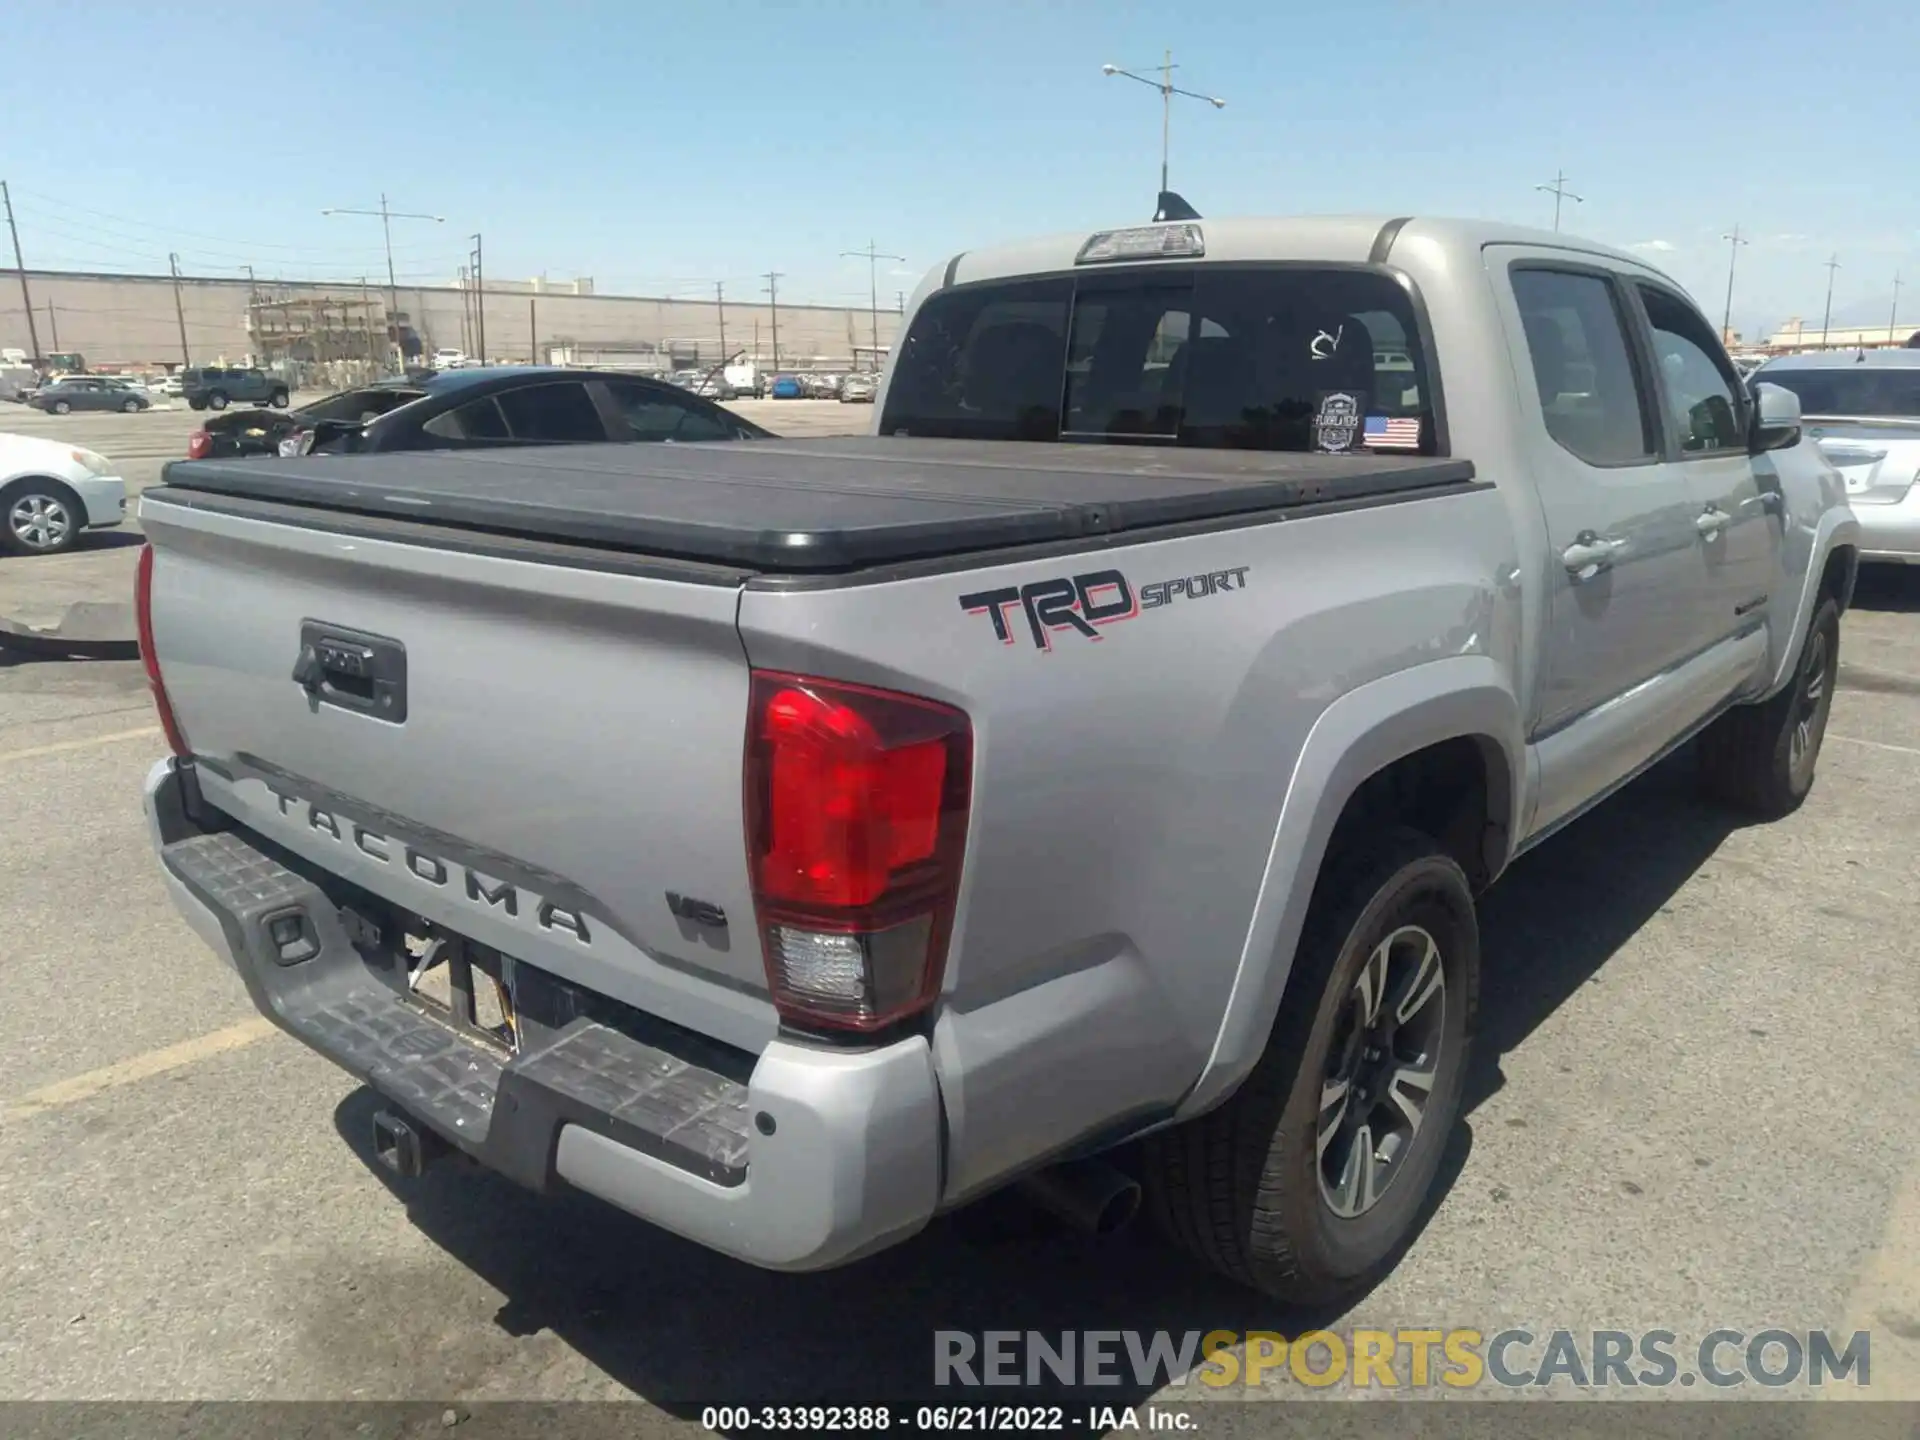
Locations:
{"points": [[1381, 1070], [1809, 711], [40, 522]]}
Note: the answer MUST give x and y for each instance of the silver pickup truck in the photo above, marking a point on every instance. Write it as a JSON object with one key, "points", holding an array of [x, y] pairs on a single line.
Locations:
{"points": [[1083, 781]]}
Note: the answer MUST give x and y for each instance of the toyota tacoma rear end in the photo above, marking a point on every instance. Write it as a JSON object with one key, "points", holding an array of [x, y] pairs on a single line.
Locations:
{"points": [[787, 842]]}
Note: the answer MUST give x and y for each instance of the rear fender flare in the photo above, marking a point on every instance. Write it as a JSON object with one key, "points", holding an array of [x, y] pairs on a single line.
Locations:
{"points": [[1359, 734]]}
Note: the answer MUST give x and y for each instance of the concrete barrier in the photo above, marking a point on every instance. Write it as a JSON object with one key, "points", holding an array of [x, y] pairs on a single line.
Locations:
{"points": [[85, 630]]}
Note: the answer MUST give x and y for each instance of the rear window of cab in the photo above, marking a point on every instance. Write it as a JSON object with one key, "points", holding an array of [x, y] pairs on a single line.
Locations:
{"points": [[1289, 358]]}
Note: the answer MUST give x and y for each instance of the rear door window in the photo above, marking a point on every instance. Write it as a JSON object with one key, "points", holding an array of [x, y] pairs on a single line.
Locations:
{"points": [[561, 412], [656, 413], [1576, 336], [1223, 357], [477, 420]]}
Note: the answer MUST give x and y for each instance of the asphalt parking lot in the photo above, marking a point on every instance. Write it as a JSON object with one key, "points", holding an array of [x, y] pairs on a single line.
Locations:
{"points": [[1696, 1107]]}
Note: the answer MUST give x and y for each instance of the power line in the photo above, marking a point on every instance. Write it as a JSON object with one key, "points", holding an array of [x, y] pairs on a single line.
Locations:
{"points": [[144, 228]]}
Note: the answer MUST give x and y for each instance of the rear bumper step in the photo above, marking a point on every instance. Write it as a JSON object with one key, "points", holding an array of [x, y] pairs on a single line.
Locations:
{"points": [[800, 1159]]}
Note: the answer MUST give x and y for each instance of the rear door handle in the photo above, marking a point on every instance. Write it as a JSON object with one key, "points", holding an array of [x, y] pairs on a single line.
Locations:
{"points": [[1768, 500], [1711, 521], [1590, 554]]}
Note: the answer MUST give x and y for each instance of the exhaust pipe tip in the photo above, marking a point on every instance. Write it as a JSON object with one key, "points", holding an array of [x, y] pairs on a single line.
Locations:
{"points": [[1091, 1196]]}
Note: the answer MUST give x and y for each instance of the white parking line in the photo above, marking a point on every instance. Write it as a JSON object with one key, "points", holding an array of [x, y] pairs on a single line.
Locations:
{"points": [[1849, 739], [136, 1068], [34, 752]]}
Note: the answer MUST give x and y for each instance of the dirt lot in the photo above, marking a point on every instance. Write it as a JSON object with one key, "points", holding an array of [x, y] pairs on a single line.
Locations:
{"points": [[1697, 1108]]}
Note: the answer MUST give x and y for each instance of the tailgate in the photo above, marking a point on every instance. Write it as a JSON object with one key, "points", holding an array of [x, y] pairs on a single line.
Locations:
{"points": [[534, 756]]}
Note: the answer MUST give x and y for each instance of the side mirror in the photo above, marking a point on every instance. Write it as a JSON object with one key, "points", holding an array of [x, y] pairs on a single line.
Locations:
{"points": [[1776, 418]]}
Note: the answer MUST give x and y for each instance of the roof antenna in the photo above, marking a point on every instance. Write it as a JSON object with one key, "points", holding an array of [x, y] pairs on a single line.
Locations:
{"points": [[1172, 207]]}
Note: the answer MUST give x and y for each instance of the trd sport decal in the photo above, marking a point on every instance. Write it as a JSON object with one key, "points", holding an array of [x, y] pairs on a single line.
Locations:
{"points": [[1083, 603]]}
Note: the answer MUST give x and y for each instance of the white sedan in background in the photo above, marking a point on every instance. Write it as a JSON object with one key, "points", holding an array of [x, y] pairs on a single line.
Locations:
{"points": [[50, 492]]}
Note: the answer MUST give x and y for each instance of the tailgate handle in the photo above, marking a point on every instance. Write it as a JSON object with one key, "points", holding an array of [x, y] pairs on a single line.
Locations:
{"points": [[352, 670]]}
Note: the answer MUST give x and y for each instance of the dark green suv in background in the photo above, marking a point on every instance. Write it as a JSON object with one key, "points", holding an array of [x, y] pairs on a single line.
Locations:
{"points": [[213, 388]]}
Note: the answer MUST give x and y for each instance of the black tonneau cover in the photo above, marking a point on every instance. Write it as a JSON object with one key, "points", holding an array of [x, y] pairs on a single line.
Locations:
{"points": [[821, 504]]}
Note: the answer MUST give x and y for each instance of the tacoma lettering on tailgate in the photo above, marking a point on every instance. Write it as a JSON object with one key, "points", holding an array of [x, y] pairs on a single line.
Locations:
{"points": [[430, 869]]}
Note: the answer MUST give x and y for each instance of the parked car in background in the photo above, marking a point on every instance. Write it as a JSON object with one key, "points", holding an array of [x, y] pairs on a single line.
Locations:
{"points": [[823, 386], [166, 385], [446, 359], [18, 381], [51, 491], [476, 407], [787, 387], [858, 390], [215, 388], [1862, 408], [88, 392]]}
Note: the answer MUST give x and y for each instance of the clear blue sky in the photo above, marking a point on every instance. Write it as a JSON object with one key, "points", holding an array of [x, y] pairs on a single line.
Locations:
{"points": [[661, 146]]}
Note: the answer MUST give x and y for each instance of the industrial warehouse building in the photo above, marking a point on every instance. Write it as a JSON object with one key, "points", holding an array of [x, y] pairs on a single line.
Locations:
{"points": [[133, 322]]}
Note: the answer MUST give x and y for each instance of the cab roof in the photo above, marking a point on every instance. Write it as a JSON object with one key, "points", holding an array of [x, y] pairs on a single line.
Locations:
{"points": [[1341, 239]]}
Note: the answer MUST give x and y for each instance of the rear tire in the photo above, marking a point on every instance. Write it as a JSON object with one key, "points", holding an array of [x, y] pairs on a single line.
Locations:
{"points": [[1265, 1188], [196, 404], [217, 400], [1761, 758], [129, 407], [278, 400], [61, 407]]}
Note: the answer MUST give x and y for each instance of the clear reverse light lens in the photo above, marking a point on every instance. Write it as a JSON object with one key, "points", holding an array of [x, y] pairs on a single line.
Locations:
{"points": [[1145, 242], [822, 968]]}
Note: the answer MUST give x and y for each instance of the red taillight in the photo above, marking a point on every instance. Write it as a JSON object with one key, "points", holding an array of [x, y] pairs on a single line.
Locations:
{"points": [[856, 822], [199, 444], [143, 619]]}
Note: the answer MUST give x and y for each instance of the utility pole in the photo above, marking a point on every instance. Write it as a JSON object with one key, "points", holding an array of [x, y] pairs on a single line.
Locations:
{"points": [[899, 302], [720, 302], [53, 324], [1826, 319], [26, 297], [773, 307], [366, 320], [1167, 90], [1558, 189], [466, 311], [387, 217], [179, 310], [1734, 242], [479, 301], [873, 256], [1895, 316], [533, 331]]}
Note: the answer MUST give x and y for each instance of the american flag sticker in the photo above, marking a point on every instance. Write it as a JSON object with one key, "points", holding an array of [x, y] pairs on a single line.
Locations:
{"points": [[1398, 432]]}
